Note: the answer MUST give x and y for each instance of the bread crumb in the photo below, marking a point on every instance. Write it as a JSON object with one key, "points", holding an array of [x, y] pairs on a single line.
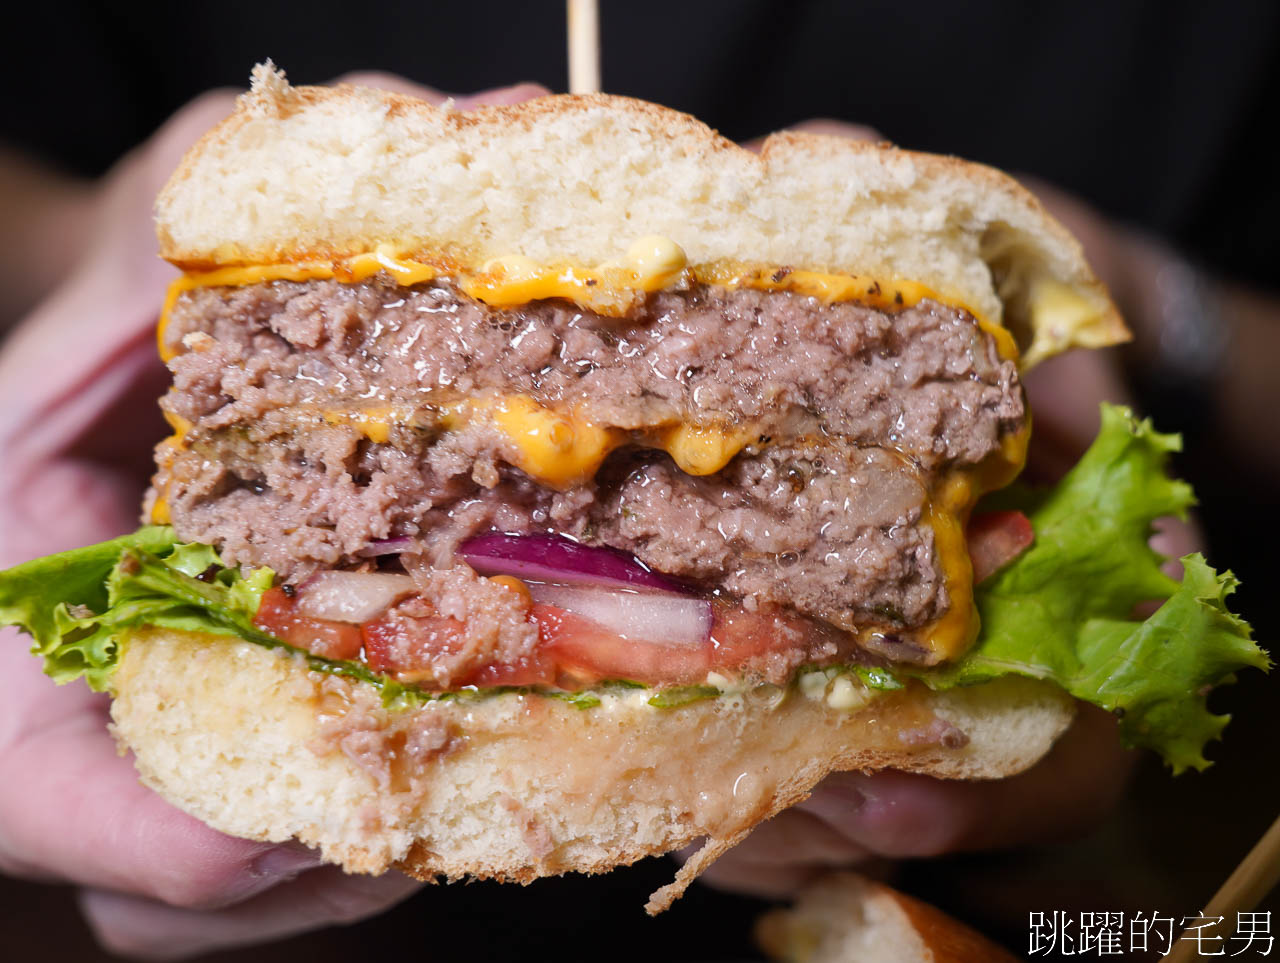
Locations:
{"points": [[269, 90]]}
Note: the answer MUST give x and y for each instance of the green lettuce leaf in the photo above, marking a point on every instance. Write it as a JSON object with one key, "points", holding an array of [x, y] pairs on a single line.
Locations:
{"points": [[77, 604], [682, 695], [876, 678], [1061, 611]]}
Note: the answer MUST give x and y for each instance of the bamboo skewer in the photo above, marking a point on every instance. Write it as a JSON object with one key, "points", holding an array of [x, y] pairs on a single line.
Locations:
{"points": [[1244, 889], [584, 47]]}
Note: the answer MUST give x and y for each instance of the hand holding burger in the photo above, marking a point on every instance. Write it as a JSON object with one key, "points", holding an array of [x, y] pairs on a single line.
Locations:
{"points": [[401, 662], [79, 430]]}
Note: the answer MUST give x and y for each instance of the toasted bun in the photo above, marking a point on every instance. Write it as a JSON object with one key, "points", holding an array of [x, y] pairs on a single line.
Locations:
{"points": [[844, 918], [306, 172], [514, 787], [520, 786]]}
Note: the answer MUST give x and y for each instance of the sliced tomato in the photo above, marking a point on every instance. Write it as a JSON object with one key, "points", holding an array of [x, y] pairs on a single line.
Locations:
{"points": [[277, 615], [411, 641], [534, 670], [402, 642], [739, 636], [588, 652], [996, 539]]}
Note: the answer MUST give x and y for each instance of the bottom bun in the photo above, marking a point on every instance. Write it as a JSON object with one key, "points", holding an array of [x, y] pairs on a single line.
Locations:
{"points": [[844, 918], [516, 786]]}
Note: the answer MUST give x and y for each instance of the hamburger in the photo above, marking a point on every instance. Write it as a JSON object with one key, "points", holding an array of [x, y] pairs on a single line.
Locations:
{"points": [[559, 484]]}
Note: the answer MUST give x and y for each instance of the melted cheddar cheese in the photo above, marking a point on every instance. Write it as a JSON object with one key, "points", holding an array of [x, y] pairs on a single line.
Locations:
{"points": [[558, 449], [375, 423], [561, 448], [611, 288], [160, 511], [350, 270], [702, 449]]}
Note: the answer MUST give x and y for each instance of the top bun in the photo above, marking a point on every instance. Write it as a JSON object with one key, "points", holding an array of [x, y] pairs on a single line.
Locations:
{"points": [[317, 172]]}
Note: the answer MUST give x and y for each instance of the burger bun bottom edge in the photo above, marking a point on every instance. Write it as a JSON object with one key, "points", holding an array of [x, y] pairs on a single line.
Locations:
{"points": [[518, 786]]}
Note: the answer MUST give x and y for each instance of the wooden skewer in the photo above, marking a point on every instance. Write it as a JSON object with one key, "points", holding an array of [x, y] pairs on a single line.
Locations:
{"points": [[1244, 889], [584, 47]]}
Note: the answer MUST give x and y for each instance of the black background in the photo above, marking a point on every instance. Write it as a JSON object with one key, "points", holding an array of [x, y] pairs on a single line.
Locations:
{"points": [[1159, 113]]}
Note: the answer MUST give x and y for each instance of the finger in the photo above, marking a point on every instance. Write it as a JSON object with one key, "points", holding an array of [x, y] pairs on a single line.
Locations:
{"points": [[831, 127], [145, 929], [1063, 394], [514, 94], [1173, 538], [394, 83], [761, 880], [782, 854], [500, 96], [107, 307], [72, 808], [1103, 241], [797, 837], [825, 126], [51, 501], [85, 352], [63, 504], [905, 815]]}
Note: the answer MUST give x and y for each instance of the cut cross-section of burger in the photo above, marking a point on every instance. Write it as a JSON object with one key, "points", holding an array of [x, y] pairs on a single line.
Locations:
{"points": [[555, 485]]}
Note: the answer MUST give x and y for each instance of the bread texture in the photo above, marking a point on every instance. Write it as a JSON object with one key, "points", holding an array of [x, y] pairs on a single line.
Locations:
{"points": [[313, 172], [518, 786], [845, 918]]}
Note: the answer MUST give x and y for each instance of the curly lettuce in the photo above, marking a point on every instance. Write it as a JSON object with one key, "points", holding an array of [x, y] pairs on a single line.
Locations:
{"points": [[1060, 612], [76, 605]]}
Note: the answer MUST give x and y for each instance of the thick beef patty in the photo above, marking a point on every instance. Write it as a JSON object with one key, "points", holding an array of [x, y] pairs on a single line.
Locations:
{"points": [[838, 532], [925, 380], [853, 414]]}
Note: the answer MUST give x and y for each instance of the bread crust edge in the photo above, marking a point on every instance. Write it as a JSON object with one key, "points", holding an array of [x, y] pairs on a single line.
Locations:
{"points": [[249, 740]]}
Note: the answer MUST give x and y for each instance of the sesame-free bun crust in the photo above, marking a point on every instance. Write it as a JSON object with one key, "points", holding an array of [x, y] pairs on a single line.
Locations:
{"points": [[845, 918], [317, 172], [256, 745]]}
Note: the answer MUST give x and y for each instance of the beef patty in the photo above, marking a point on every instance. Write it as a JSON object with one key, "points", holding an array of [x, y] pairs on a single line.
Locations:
{"points": [[852, 415]]}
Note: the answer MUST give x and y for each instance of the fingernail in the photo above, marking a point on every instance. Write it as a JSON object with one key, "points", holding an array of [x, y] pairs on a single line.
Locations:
{"points": [[285, 862], [270, 867]]}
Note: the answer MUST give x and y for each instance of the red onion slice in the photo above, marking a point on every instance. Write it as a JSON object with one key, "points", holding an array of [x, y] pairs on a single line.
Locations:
{"points": [[637, 616], [554, 558], [351, 596]]}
